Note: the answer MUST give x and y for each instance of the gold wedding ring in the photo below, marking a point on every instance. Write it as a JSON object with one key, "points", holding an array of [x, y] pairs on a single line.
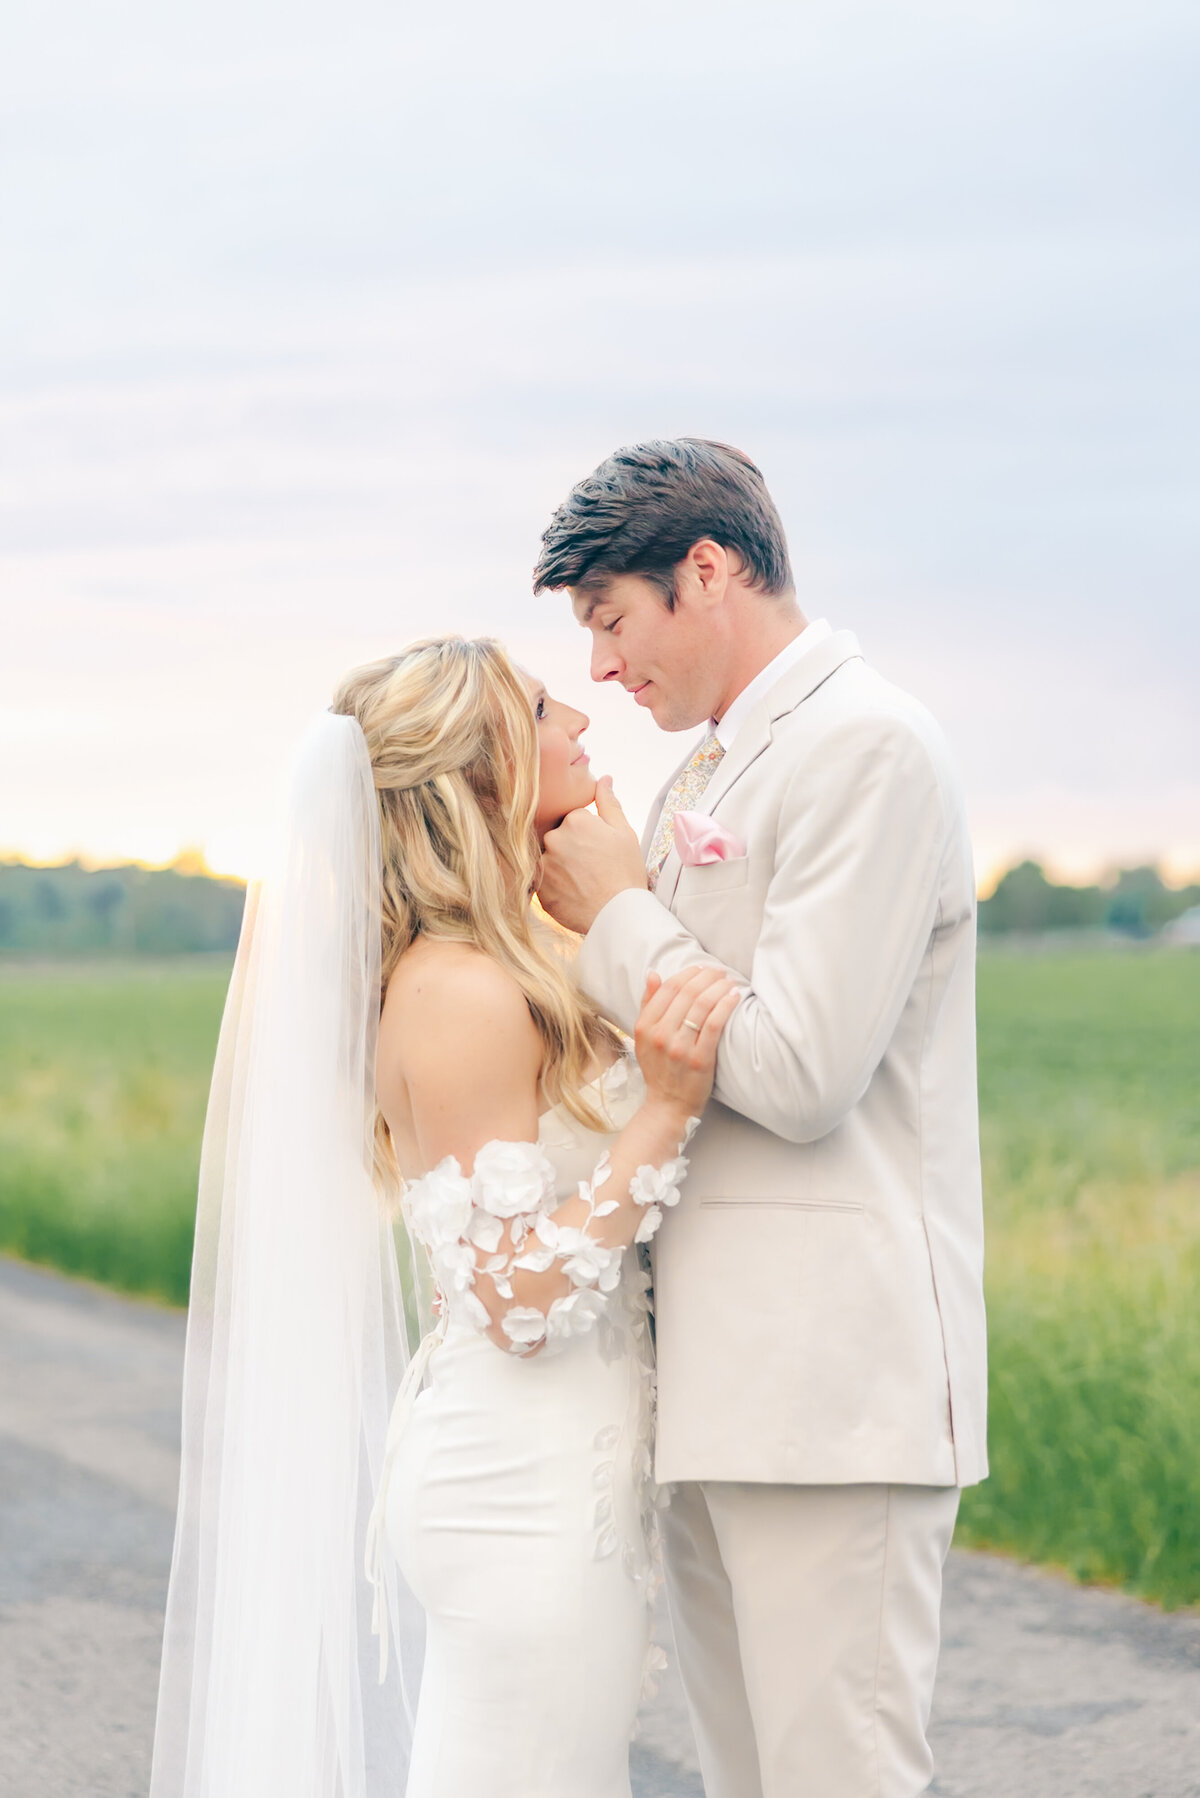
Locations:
{"points": [[688, 1024]]}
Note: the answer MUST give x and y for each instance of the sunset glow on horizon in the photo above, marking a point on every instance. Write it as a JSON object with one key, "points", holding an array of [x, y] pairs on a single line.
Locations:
{"points": [[292, 372]]}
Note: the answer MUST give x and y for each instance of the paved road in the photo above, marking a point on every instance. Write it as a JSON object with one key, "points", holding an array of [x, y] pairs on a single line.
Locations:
{"points": [[1046, 1691]]}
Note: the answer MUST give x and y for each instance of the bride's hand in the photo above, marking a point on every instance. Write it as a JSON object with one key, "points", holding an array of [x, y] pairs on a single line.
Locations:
{"points": [[677, 1033]]}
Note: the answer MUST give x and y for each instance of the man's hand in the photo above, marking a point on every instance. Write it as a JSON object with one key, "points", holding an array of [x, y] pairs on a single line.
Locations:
{"points": [[588, 860]]}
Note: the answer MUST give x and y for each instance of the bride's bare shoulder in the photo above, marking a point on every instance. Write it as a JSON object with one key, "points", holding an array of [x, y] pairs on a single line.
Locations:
{"points": [[459, 1059], [451, 998], [435, 972]]}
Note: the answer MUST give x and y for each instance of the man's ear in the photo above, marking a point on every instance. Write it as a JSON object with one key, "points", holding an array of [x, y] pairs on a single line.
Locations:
{"points": [[703, 575]]}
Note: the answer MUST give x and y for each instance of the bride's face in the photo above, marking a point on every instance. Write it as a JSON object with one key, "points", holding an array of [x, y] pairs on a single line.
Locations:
{"points": [[565, 779]]}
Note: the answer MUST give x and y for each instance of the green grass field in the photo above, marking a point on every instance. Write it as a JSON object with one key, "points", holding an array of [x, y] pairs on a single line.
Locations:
{"points": [[1090, 1107], [104, 1076], [1089, 1078]]}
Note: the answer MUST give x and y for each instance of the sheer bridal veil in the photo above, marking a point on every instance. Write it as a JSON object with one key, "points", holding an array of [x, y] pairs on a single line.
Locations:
{"points": [[295, 1344]]}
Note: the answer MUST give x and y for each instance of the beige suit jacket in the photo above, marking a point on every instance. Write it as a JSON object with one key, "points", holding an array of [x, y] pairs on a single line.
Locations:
{"points": [[819, 1288]]}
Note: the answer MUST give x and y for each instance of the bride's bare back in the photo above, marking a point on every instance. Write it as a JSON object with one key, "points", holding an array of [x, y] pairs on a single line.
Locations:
{"points": [[459, 1058]]}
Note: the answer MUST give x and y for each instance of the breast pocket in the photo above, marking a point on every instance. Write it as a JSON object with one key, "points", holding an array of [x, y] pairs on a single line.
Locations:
{"points": [[713, 877]]}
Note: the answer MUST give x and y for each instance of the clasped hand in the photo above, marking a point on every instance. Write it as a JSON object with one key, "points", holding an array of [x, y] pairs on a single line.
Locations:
{"points": [[588, 859]]}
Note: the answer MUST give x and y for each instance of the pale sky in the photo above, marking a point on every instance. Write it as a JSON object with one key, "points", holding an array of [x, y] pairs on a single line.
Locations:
{"points": [[310, 315]]}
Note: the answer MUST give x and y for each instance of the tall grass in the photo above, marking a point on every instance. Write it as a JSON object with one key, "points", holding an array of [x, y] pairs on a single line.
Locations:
{"points": [[103, 1082], [1089, 1078], [1090, 1114]]}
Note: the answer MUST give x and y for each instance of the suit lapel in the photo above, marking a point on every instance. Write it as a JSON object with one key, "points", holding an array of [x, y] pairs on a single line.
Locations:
{"points": [[800, 682]]}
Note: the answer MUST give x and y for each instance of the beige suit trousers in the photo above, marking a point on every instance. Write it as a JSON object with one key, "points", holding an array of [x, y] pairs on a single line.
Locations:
{"points": [[807, 1622]]}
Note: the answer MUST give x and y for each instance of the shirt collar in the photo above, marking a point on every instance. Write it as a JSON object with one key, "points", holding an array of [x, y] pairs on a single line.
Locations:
{"points": [[766, 678]]}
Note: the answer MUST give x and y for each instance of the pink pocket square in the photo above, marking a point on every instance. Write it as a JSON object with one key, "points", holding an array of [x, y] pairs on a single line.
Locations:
{"points": [[700, 840]]}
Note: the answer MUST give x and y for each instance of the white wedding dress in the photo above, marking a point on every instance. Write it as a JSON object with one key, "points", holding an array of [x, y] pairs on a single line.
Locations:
{"points": [[514, 1492], [519, 1498]]}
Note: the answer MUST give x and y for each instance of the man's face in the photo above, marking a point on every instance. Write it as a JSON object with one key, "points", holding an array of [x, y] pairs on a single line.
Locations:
{"points": [[669, 661]]}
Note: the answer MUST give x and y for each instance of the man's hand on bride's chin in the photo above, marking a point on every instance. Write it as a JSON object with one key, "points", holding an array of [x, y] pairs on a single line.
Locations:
{"points": [[587, 860]]}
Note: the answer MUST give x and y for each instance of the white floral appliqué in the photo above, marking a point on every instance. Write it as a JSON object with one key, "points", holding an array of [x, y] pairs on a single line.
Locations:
{"points": [[463, 1222]]}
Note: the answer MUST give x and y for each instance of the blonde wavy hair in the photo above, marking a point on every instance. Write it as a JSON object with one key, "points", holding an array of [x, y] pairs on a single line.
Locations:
{"points": [[451, 735]]}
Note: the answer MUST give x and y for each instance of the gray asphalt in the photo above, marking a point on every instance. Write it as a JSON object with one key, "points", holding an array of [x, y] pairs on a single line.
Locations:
{"points": [[1045, 1690]]}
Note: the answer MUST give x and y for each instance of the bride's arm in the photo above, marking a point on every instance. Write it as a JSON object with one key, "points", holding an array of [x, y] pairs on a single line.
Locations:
{"points": [[529, 1267]]}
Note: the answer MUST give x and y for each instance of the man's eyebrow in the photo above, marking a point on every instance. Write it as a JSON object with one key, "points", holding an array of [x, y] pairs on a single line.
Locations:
{"points": [[597, 599]]}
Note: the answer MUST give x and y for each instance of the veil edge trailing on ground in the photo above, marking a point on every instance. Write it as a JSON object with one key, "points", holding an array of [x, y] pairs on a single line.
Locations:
{"points": [[296, 1343]]}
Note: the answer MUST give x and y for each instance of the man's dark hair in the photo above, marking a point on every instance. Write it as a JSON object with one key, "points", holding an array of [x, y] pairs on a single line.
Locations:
{"points": [[641, 511]]}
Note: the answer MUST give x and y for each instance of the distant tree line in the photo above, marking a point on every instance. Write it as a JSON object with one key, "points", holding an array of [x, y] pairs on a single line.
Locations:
{"points": [[1136, 903], [73, 910]]}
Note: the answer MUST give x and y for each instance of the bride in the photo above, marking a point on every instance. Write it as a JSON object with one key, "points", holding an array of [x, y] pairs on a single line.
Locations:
{"points": [[505, 1511]]}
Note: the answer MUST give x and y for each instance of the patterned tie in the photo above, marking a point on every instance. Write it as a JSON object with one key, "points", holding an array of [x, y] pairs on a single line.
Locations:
{"points": [[681, 798]]}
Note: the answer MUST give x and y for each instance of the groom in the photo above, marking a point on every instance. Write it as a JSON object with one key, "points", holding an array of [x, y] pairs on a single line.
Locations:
{"points": [[820, 1325]]}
